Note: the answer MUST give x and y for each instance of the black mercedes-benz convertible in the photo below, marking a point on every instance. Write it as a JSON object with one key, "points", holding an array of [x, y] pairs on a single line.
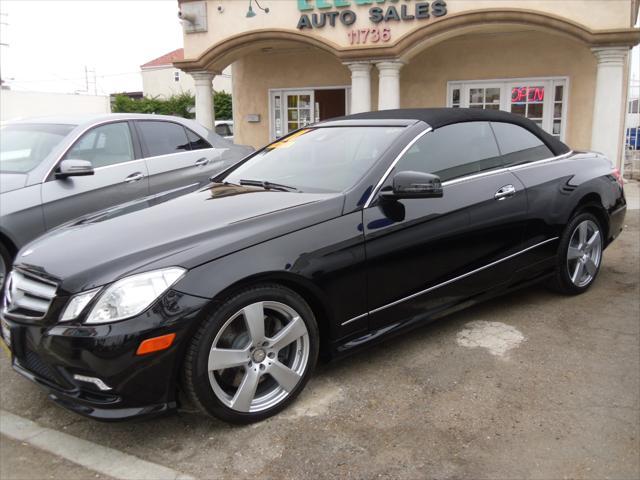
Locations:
{"points": [[330, 239]]}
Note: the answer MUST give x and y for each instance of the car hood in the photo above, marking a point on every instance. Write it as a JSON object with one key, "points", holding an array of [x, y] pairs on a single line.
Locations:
{"points": [[162, 231], [12, 181]]}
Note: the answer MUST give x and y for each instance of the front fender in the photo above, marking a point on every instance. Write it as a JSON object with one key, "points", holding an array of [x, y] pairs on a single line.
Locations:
{"points": [[326, 259]]}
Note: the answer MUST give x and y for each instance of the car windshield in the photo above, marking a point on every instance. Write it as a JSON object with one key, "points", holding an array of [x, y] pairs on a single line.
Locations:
{"points": [[323, 159], [24, 146]]}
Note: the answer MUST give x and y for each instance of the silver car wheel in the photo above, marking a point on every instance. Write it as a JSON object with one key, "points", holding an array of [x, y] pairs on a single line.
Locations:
{"points": [[584, 253], [259, 356]]}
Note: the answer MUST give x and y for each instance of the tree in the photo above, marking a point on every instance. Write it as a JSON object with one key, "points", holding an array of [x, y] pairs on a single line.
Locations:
{"points": [[179, 105], [222, 105], [182, 105]]}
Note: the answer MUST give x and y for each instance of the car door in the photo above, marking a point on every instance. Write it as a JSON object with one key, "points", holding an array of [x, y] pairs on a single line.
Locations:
{"points": [[176, 156], [428, 254], [120, 175], [546, 182]]}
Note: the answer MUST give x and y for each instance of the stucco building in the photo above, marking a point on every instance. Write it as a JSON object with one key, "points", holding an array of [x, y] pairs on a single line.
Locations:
{"points": [[564, 64], [161, 79]]}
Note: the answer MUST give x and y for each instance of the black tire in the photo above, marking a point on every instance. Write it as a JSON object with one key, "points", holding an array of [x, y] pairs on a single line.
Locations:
{"points": [[6, 260], [562, 281], [199, 382]]}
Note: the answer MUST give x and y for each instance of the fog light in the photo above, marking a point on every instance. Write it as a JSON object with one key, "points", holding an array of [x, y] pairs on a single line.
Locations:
{"points": [[95, 381], [156, 344]]}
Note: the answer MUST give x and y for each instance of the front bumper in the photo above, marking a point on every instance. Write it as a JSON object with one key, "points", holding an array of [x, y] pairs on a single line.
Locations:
{"points": [[50, 354]]}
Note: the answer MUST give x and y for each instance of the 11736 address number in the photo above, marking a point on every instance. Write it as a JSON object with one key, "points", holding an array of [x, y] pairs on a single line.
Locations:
{"points": [[368, 35]]}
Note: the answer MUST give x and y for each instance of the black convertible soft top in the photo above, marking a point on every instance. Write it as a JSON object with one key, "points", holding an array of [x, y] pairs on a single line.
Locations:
{"points": [[439, 117]]}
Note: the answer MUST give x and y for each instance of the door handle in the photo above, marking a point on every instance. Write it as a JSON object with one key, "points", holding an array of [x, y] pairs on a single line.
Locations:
{"points": [[505, 192], [202, 161], [134, 177]]}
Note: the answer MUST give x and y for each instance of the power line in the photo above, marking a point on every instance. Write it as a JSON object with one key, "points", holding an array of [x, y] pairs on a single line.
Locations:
{"points": [[75, 79]]}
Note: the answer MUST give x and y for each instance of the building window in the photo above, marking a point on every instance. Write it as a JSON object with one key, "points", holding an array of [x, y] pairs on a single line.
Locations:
{"points": [[455, 98], [542, 100], [485, 97], [176, 76], [633, 106]]}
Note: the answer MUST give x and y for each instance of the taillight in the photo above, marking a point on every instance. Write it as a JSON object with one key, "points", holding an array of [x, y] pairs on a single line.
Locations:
{"points": [[618, 177]]}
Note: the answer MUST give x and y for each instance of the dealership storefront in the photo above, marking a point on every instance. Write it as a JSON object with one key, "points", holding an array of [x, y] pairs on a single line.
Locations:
{"points": [[563, 64]]}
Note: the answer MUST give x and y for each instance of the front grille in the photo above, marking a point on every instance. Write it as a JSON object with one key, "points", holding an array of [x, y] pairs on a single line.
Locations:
{"points": [[28, 296]]}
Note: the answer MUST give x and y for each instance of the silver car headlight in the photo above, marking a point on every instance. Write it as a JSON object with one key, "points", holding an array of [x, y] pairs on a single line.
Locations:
{"points": [[125, 298]]}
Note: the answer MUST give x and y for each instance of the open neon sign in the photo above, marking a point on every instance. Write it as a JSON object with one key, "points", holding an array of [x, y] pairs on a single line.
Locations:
{"points": [[527, 94]]}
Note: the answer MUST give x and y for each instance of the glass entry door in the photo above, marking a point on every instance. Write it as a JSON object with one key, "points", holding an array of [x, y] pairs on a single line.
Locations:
{"points": [[291, 110]]}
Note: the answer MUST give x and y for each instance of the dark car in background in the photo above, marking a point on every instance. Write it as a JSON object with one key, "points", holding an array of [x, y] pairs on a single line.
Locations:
{"points": [[53, 170], [330, 239]]}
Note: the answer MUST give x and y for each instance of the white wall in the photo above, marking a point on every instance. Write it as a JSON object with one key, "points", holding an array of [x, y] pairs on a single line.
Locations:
{"points": [[16, 104], [160, 82]]}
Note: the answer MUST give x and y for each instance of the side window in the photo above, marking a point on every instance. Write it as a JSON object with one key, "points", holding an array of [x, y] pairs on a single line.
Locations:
{"points": [[163, 138], [104, 145], [519, 145], [454, 151], [196, 141]]}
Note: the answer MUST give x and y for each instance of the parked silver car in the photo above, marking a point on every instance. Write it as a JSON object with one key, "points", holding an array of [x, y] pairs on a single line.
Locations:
{"points": [[53, 170]]}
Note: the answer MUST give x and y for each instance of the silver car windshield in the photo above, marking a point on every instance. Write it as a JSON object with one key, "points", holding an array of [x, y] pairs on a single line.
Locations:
{"points": [[327, 159], [24, 146]]}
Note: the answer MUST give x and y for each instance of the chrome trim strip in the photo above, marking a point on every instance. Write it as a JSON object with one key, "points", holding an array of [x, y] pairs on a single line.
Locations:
{"points": [[393, 164], [118, 120], [505, 169], [181, 153], [460, 179], [77, 137], [544, 160], [354, 319], [460, 277]]}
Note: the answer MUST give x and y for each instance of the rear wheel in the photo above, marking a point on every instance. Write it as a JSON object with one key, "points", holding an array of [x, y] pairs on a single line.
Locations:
{"points": [[579, 255], [253, 356]]}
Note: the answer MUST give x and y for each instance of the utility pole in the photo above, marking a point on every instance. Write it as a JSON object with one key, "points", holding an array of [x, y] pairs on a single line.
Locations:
{"points": [[87, 82]]}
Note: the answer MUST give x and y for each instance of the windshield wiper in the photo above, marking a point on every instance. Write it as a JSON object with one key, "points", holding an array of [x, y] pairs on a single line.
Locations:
{"points": [[269, 185]]}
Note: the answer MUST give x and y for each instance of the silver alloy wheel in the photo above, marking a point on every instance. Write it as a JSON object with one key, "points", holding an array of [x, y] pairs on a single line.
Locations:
{"points": [[258, 356], [584, 253]]}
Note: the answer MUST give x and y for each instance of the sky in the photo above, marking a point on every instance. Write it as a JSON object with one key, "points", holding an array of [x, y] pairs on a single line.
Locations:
{"points": [[52, 41]]}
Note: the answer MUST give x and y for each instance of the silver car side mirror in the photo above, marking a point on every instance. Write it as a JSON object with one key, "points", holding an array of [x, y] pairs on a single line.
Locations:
{"points": [[74, 168]]}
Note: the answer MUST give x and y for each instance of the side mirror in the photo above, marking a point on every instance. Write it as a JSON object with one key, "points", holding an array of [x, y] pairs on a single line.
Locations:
{"points": [[74, 168], [410, 184]]}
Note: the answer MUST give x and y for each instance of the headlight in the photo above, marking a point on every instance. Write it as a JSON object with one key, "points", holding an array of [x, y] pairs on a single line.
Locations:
{"points": [[77, 304], [132, 295]]}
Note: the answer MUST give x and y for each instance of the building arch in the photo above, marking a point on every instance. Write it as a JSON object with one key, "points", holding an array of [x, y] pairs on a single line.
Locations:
{"points": [[225, 52]]}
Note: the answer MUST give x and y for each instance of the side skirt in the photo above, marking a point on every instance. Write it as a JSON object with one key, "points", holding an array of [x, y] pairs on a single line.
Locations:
{"points": [[341, 349]]}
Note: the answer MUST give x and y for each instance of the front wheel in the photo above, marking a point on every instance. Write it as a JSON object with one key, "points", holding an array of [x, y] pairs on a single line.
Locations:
{"points": [[579, 255], [253, 356]]}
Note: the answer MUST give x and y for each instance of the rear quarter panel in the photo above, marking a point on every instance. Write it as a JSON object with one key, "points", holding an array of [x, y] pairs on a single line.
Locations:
{"points": [[555, 189]]}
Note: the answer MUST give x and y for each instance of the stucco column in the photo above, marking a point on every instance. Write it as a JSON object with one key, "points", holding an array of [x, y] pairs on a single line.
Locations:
{"points": [[389, 85], [606, 134], [204, 98], [360, 86]]}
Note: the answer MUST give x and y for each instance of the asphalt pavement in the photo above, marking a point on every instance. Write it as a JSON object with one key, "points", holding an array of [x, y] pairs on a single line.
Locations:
{"points": [[530, 385]]}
